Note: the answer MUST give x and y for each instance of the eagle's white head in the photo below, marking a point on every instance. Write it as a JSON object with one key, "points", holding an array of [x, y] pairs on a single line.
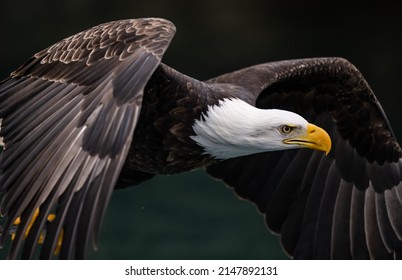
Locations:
{"points": [[234, 128]]}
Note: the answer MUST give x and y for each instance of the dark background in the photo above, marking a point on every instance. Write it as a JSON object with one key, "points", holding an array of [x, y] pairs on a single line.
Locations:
{"points": [[191, 216]]}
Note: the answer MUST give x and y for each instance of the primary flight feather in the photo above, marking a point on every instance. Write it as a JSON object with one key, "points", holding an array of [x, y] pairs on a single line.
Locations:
{"points": [[99, 111]]}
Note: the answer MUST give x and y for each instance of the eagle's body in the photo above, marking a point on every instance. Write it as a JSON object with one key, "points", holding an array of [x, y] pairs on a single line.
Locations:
{"points": [[99, 110], [165, 123]]}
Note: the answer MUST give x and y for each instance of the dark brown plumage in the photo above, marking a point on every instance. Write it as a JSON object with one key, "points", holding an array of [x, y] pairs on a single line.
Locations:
{"points": [[99, 110]]}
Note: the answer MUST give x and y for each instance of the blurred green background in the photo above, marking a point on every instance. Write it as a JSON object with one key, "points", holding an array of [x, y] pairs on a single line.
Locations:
{"points": [[190, 216]]}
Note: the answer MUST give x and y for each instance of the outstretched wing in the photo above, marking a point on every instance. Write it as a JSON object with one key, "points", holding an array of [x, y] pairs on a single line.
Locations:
{"points": [[343, 206], [68, 117]]}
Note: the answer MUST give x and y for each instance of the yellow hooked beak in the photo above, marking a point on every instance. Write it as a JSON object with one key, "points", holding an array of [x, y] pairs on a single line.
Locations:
{"points": [[315, 138]]}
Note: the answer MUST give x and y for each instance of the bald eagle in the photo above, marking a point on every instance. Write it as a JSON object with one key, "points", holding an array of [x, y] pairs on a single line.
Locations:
{"points": [[98, 111]]}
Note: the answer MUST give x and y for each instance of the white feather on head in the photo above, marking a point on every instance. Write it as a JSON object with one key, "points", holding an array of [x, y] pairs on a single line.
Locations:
{"points": [[235, 128]]}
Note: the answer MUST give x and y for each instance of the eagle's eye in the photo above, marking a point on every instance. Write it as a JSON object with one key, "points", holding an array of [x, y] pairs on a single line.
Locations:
{"points": [[286, 129]]}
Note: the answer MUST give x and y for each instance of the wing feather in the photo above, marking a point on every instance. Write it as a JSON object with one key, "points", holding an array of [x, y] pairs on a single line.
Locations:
{"points": [[376, 246], [347, 209], [326, 214], [310, 214], [340, 241], [358, 237], [394, 207], [387, 233], [292, 225], [68, 117]]}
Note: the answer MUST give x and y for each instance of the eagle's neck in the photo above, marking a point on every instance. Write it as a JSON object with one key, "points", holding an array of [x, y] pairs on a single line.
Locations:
{"points": [[235, 128]]}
